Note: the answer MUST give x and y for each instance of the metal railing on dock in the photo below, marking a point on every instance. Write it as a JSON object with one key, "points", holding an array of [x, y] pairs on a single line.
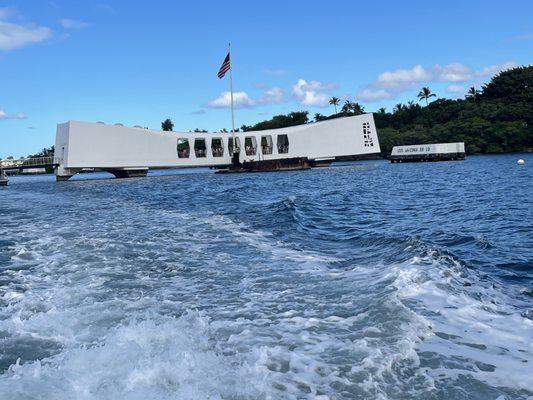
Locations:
{"points": [[30, 162]]}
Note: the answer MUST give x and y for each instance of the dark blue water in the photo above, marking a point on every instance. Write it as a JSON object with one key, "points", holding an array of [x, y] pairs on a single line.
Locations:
{"points": [[365, 280]]}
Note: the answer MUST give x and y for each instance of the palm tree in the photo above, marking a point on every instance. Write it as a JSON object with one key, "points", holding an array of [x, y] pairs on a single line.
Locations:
{"points": [[334, 101], [425, 94], [319, 117], [358, 109], [472, 93], [354, 108], [382, 110], [398, 107]]}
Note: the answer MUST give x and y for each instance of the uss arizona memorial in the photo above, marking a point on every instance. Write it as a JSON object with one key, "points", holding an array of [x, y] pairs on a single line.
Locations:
{"points": [[126, 152]]}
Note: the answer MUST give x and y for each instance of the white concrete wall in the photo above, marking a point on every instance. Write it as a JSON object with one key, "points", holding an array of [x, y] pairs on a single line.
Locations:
{"points": [[95, 145], [437, 148], [62, 144]]}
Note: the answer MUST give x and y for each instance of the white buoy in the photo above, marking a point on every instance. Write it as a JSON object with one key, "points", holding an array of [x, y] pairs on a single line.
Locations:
{"points": [[521, 162]]}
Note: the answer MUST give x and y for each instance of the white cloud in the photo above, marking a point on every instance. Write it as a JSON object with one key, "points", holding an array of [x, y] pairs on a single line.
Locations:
{"points": [[240, 100], [275, 95], [370, 95], [403, 78], [456, 89], [19, 115], [73, 24], [455, 72], [14, 36], [406, 78], [311, 93], [391, 84], [494, 69]]}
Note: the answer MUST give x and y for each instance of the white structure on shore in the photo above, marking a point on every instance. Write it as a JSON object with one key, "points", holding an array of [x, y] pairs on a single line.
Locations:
{"points": [[428, 152], [126, 151]]}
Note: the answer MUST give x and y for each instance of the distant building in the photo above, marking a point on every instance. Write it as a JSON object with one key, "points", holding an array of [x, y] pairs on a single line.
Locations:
{"points": [[9, 163], [428, 152]]}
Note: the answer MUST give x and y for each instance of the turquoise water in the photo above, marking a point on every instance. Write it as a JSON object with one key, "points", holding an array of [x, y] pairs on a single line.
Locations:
{"points": [[364, 280]]}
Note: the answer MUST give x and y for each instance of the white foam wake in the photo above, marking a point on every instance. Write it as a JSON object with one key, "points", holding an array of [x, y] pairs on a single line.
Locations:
{"points": [[477, 331], [167, 359]]}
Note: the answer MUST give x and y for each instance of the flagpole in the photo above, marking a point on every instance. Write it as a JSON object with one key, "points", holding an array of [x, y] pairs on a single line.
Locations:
{"points": [[231, 94]]}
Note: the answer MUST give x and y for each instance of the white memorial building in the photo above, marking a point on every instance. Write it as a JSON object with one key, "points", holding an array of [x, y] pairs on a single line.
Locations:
{"points": [[131, 151]]}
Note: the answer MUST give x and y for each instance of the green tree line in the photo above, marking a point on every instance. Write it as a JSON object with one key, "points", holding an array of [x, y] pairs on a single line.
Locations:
{"points": [[45, 152], [498, 118]]}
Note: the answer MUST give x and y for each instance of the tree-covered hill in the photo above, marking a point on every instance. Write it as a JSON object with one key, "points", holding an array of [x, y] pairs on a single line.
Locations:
{"points": [[280, 121], [496, 119]]}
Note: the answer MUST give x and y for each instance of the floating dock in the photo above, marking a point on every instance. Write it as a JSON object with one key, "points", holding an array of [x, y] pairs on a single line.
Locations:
{"points": [[428, 152], [285, 164]]}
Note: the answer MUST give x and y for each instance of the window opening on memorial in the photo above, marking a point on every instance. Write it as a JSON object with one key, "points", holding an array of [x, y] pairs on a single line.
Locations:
{"points": [[250, 145], [266, 144], [200, 148], [217, 147], [237, 144], [283, 144], [183, 148]]}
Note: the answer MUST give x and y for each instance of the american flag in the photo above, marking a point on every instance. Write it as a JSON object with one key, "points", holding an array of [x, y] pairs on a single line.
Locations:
{"points": [[224, 68]]}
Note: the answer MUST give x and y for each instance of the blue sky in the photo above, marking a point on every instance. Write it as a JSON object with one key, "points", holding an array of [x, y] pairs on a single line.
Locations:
{"points": [[140, 62]]}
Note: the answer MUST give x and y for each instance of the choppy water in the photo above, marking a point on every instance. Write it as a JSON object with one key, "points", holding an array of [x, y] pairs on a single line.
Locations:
{"points": [[368, 280]]}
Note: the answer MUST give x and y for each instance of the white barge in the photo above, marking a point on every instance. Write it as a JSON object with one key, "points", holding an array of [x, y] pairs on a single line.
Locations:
{"points": [[132, 151], [428, 152]]}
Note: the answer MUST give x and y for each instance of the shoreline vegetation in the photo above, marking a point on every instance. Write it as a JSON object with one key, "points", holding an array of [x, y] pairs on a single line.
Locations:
{"points": [[496, 119]]}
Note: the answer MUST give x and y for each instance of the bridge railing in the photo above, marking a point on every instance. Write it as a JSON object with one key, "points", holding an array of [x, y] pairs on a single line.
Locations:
{"points": [[30, 162]]}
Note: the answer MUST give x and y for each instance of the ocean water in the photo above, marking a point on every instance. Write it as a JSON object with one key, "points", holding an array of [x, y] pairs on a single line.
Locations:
{"points": [[367, 280]]}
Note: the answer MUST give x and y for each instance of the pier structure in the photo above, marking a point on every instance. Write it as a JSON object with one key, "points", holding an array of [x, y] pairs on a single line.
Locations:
{"points": [[3, 177], [428, 152], [49, 164], [132, 151]]}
